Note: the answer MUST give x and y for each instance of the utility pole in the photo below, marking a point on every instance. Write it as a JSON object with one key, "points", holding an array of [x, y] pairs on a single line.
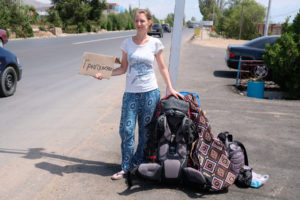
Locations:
{"points": [[267, 19], [213, 12], [241, 20], [176, 41]]}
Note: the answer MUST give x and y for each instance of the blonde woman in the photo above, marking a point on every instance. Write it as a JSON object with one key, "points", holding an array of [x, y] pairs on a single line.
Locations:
{"points": [[141, 92]]}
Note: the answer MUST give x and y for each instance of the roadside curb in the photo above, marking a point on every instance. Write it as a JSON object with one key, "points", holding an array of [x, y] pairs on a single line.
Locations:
{"points": [[69, 35]]}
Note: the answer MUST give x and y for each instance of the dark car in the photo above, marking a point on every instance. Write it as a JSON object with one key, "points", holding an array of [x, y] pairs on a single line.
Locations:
{"points": [[166, 27], [190, 25], [3, 37], [10, 72], [252, 50], [156, 30]]}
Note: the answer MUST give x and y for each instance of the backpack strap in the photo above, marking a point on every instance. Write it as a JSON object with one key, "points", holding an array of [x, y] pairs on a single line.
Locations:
{"points": [[188, 130], [155, 132], [226, 138]]}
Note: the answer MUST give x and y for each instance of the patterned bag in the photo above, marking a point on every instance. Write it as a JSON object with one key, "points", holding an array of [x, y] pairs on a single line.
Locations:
{"points": [[208, 154]]}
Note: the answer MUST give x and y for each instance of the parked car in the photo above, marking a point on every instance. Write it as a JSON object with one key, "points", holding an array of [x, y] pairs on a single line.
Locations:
{"points": [[166, 27], [10, 72], [3, 37], [156, 30], [252, 50], [190, 25]]}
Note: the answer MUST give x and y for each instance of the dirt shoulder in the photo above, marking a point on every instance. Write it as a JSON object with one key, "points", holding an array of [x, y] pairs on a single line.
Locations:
{"points": [[216, 42]]}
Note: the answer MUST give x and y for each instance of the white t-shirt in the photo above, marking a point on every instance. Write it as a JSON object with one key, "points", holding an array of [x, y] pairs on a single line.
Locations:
{"points": [[140, 76]]}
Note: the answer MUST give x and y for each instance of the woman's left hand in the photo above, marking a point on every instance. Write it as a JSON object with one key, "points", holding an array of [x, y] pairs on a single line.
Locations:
{"points": [[176, 94]]}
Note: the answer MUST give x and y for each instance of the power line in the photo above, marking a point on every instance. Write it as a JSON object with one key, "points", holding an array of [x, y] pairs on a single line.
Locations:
{"points": [[287, 12]]}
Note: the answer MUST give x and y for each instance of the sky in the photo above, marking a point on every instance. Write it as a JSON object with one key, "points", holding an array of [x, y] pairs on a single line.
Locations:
{"points": [[280, 9]]}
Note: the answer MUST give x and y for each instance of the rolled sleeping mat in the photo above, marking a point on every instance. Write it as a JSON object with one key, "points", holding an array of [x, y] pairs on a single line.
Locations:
{"points": [[150, 171], [193, 176], [146, 171]]}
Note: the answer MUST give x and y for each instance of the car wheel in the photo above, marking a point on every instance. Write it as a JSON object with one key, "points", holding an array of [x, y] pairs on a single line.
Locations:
{"points": [[260, 71], [8, 82], [1, 43]]}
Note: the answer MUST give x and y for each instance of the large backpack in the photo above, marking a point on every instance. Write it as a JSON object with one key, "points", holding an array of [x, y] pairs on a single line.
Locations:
{"points": [[182, 149], [172, 133]]}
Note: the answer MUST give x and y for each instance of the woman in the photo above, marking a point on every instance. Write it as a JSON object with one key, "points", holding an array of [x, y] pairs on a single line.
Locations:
{"points": [[141, 93]]}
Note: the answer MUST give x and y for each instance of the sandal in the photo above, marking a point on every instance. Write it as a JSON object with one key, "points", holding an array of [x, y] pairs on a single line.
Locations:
{"points": [[118, 175]]}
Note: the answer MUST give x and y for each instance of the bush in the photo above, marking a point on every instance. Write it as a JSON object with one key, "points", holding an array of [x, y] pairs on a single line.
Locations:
{"points": [[42, 28], [71, 29], [23, 31], [5, 16], [109, 24], [54, 18], [283, 59], [17, 18], [103, 22], [81, 28]]}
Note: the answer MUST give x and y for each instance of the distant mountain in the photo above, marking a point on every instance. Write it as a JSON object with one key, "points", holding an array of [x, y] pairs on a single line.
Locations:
{"points": [[37, 4]]}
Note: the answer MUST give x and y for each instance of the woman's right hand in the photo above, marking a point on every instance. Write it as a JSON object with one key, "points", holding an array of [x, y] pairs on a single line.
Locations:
{"points": [[98, 76]]}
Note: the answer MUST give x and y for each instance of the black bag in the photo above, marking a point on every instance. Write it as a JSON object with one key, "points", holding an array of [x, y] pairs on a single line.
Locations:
{"points": [[244, 178], [237, 153]]}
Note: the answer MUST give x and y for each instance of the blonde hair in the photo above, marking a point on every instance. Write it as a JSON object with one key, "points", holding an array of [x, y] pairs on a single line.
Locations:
{"points": [[147, 14]]}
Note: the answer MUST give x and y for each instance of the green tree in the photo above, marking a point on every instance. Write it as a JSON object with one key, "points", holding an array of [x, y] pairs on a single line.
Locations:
{"points": [[97, 9], [109, 24], [17, 18], [103, 22], [233, 3], [4, 15], [85, 14], [53, 17], [254, 13], [20, 21], [123, 20], [170, 19], [212, 10], [208, 9]]}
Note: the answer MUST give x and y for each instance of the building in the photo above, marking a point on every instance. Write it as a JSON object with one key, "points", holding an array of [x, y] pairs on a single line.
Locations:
{"points": [[202, 24], [114, 8], [274, 29]]}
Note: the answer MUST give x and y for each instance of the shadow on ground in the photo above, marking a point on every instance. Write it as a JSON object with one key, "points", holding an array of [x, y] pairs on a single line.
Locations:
{"points": [[83, 166], [102, 169], [189, 190], [225, 74]]}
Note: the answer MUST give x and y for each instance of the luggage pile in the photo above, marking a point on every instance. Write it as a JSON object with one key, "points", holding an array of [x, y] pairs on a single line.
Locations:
{"points": [[181, 149]]}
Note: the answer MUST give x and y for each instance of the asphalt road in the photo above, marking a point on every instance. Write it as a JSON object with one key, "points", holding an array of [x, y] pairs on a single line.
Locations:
{"points": [[59, 132]]}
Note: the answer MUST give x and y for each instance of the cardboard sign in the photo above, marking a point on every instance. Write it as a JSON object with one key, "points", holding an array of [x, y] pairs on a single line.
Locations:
{"points": [[97, 63]]}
